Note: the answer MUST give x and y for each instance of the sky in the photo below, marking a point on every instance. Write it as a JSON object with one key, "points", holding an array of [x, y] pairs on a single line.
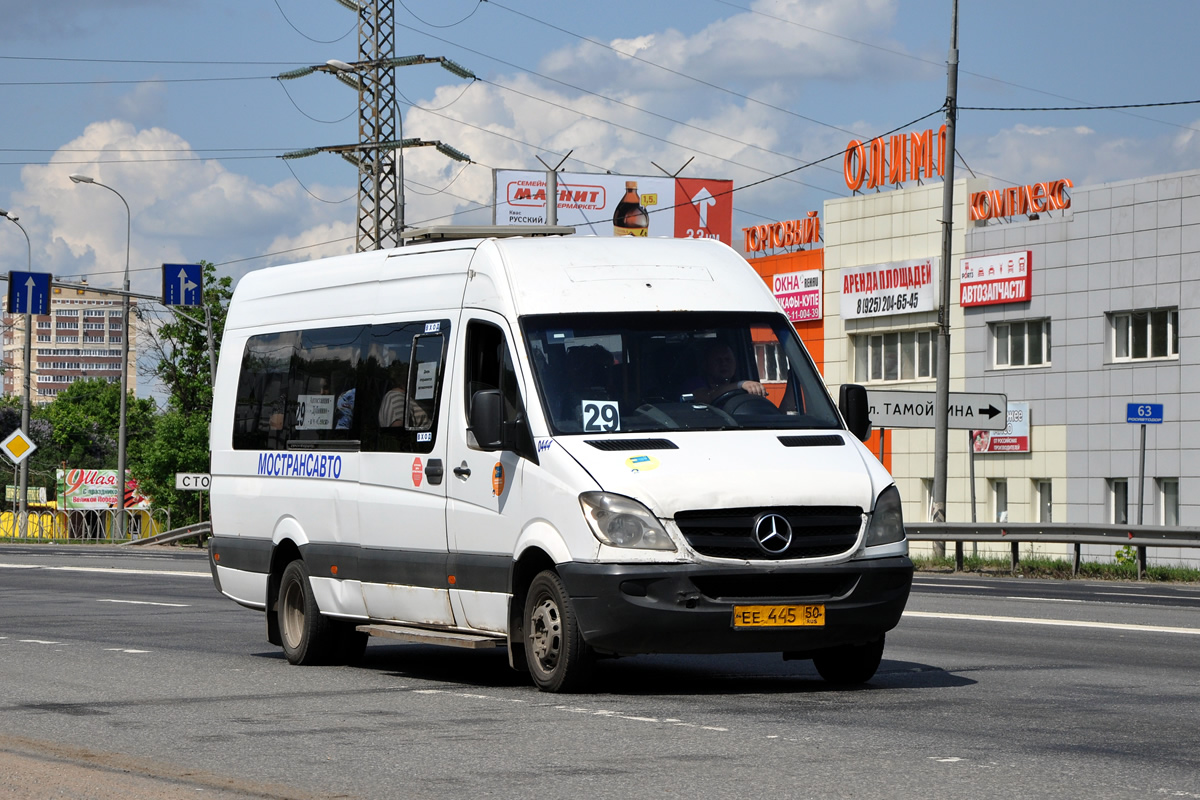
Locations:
{"points": [[175, 105]]}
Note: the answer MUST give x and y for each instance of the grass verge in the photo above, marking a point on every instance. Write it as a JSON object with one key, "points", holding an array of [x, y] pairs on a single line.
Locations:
{"points": [[1033, 567]]}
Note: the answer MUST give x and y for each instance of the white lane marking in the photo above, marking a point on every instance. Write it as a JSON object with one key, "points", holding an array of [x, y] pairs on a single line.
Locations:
{"points": [[124, 650], [467, 695], [112, 570], [594, 712], [937, 585], [945, 760], [1044, 599], [37, 641], [1139, 594], [1063, 623], [145, 603]]}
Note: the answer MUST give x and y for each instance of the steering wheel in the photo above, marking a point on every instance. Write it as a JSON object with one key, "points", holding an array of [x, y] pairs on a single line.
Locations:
{"points": [[725, 397]]}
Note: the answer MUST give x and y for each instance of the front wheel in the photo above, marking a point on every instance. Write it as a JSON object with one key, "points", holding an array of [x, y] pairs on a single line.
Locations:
{"points": [[558, 658], [309, 637], [850, 664]]}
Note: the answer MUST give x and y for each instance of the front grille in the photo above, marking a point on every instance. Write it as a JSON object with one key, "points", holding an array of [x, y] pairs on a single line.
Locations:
{"points": [[729, 533]]}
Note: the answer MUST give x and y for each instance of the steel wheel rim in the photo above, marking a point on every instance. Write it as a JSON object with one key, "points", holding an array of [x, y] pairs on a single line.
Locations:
{"points": [[545, 633], [293, 614]]}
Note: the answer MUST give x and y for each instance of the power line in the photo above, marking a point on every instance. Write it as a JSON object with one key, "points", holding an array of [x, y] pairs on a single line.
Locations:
{"points": [[283, 86], [1082, 108], [470, 14], [305, 35], [152, 61], [603, 97], [701, 81], [941, 64], [142, 80]]}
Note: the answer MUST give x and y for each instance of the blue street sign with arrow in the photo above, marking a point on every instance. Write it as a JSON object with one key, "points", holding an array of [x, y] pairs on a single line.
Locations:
{"points": [[183, 285], [29, 292]]}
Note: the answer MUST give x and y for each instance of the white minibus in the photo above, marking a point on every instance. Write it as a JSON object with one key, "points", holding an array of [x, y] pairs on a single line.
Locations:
{"points": [[572, 447]]}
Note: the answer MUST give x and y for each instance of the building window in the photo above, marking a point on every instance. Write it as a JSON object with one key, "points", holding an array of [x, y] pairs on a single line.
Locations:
{"points": [[1168, 501], [1139, 335], [1045, 501], [1021, 344], [772, 365], [1118, 501], [999, 500], [900, 356], [927, 492]]}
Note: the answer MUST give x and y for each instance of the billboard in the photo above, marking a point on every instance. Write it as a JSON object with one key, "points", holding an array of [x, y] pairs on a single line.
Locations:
{"points": [[880, 290], [96, 490], [989, 280], [680, 208], [799, 294], [1013, 439]]}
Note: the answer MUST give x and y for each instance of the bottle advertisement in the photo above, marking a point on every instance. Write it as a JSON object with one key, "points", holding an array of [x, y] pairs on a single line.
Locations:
{"points": [[619, 205]]}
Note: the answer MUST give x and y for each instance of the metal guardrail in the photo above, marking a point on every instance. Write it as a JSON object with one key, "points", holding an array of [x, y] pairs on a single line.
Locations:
{"points": [[1014, 534], [199, 529]]}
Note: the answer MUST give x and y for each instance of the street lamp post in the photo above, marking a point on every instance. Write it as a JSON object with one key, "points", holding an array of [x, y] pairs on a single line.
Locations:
{"points": [[23, 482], [124, 356]]}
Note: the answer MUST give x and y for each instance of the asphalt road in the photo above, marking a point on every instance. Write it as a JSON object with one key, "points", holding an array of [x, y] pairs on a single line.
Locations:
{"points": [[124, 674]]}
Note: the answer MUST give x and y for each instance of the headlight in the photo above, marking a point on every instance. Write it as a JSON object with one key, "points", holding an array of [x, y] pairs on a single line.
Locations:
{"points": [[622, 522], [887, 521]]}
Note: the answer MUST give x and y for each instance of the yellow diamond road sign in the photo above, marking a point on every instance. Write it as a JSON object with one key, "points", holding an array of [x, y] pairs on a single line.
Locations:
{"points": [[18, 446]]}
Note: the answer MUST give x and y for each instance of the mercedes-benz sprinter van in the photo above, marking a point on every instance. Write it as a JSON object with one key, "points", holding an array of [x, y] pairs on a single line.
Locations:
{"points": [[571, 447]]}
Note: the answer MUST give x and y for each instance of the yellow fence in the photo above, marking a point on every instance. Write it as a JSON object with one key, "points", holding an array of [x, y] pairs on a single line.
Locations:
{"points": [[65, 525]]}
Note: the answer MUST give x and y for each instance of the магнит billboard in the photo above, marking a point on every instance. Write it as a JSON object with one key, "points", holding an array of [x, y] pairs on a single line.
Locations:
{"points": [[680, 208]]}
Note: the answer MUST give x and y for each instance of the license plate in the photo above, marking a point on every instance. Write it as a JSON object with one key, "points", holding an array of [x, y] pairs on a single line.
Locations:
{"points": [[778, 616]]}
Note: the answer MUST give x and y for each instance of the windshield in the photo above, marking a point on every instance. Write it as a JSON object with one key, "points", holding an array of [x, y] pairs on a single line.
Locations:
{"points": [[672, 371]]}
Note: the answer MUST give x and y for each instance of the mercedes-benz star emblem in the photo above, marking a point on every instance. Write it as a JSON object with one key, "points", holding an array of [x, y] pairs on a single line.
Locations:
{"points": [[773, 533]]}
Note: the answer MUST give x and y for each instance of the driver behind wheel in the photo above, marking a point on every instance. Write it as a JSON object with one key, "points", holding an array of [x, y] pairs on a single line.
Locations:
{"points": [[720, 377]]}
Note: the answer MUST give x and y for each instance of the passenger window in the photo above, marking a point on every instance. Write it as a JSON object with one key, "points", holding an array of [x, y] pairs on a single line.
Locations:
{"points": [[402, 378], [371, 387], [324, 385], [261, 411]]}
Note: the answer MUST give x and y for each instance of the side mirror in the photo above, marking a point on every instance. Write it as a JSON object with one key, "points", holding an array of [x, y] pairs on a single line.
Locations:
{"points": [[486, 416], [853, 403]]}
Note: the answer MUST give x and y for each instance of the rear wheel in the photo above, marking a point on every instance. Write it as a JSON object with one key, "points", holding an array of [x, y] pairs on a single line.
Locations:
{"points": [[850, 664], [308, 636], [558, 658]]}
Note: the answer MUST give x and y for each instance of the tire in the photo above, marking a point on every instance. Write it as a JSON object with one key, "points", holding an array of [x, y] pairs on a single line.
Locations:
{"points": [[850, 664], [558, 658], [308, 636]]}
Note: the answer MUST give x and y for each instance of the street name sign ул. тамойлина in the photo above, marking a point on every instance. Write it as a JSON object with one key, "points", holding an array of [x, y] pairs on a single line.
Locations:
{"points": [[967, 411]]}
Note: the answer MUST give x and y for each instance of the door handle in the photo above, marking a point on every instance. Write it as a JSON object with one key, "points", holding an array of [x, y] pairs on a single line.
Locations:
{"points": [[463, 471]]}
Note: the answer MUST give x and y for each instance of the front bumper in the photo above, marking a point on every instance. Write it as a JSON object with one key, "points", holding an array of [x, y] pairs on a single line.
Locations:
{"points": [[688, 608]]}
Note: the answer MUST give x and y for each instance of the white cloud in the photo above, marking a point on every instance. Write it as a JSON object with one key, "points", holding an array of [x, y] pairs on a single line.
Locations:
{"points": [[183, 209], [785, 42]]}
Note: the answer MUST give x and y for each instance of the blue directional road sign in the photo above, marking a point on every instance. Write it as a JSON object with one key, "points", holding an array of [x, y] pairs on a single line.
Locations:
{"points": [[183, 284], [29, 292], [1144, 413]]}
